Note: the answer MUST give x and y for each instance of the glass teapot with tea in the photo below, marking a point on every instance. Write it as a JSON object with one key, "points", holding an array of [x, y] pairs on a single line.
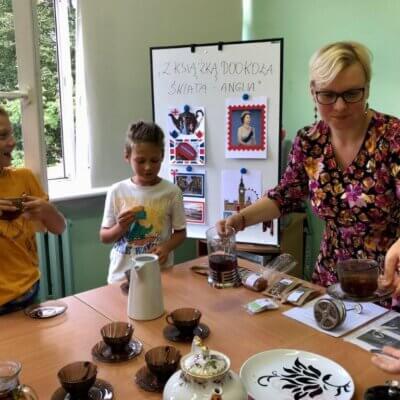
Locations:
{"points": [[204, 375], [222, 259], [10, 388]]}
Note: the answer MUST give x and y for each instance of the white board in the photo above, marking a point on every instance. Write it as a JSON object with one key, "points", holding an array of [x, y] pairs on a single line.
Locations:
{"points": [[213, 76]]}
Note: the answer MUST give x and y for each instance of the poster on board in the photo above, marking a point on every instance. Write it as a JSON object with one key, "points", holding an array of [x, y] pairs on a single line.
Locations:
{"points": [[186, 129], [246, 128], [224, 80]]}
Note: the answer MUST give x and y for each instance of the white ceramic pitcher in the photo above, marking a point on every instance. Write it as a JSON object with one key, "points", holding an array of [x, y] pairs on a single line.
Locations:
{"points": [[145, 299]]}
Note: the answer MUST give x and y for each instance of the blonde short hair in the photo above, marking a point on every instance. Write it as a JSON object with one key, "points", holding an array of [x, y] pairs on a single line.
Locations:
{"points": [[328, 61]]}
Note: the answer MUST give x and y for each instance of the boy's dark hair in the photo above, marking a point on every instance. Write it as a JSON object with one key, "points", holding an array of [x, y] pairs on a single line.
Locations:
{"points": [[144, 132]]}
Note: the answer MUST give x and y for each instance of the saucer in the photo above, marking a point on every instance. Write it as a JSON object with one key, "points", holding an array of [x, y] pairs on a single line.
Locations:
{"points": [[101, 390], [148, 381], [171, 332], [125, 287], [336, 291], [49, 309], [102, 352]]}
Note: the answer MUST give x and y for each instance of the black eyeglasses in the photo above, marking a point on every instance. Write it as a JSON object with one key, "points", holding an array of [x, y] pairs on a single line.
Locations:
{"points": [[326, 97]]}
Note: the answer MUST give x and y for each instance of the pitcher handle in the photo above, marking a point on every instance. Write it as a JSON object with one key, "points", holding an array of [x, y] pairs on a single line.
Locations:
{"points": [[136, 266], [27, 393]]}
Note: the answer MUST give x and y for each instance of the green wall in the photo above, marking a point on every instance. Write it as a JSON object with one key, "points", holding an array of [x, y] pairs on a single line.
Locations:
{"points": [[116, 38], [307, 25], [89, 255]]}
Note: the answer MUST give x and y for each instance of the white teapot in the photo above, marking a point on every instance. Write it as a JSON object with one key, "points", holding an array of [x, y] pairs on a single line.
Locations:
{"points": [[205, 375]]}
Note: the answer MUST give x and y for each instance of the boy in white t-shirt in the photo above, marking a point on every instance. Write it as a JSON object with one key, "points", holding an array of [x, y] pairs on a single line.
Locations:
{"points": [[142, 214]]}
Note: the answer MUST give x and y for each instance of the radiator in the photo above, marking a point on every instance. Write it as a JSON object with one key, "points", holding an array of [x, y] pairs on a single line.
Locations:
{"points": [[55, 263]]}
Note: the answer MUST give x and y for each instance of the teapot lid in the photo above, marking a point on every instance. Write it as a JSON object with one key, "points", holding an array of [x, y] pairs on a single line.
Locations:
{"points": [[204, 363]]}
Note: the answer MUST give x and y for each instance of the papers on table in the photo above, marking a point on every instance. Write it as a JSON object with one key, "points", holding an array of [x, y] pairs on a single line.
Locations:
{"points": [[352, 321], [384, 331]]}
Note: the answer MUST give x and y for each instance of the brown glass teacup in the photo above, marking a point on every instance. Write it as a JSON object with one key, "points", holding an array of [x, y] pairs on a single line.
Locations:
{"points": [[184, 319], [77, 378], [117, 335], [358, 277], [162, 361], [17, 202]]}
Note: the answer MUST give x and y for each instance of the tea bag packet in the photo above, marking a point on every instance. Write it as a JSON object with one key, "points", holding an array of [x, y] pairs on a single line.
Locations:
{"points": [[259, 305], [300, 295], [252, 280], [279, 288], [280, 265]]}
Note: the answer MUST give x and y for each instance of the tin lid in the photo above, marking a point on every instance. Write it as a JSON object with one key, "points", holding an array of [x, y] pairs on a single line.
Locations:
{"points": [[382, 392], [204, 363]]}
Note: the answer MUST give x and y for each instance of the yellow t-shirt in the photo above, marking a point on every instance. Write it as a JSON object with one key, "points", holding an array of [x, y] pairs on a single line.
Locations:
{"points": [[19, 265]]}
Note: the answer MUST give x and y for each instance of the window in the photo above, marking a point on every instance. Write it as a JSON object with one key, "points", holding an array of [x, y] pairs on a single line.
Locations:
{"points": [[8, 76], [39, 36]]}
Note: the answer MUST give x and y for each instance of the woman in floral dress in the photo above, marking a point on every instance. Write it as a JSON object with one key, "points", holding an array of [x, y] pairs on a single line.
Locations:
{"points": [[347, 164]]}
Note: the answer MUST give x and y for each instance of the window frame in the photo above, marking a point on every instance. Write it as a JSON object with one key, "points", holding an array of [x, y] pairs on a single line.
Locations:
{"points": [[27, 52], [76, 181]]}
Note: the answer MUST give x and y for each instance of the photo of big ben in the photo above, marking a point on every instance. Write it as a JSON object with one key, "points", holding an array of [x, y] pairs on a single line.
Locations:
{"points": [[239, 190]]}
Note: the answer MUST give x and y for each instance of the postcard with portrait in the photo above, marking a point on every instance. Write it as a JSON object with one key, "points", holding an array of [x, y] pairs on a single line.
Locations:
{"points": [[246, 128]]}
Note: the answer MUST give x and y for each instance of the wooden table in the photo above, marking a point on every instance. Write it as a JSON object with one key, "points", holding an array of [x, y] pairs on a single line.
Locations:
{"points": [[233, 331], [44, 346]]}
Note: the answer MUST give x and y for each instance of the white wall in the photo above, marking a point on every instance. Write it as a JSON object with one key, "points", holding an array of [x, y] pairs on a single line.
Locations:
{"points": [[116, 38]]}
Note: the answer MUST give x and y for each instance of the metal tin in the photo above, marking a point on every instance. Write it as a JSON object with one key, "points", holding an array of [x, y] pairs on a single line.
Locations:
{"points": [[329, 313]]}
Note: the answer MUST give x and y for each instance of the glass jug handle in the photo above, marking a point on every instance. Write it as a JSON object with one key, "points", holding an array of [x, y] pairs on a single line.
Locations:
{"points": [[27, 393]]}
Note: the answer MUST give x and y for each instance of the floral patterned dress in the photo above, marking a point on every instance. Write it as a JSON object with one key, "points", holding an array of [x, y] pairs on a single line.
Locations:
{"points": [[360, 204]]}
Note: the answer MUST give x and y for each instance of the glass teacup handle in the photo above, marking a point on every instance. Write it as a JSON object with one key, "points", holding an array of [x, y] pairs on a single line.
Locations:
{"points": [[26, 393], [168, 318]]}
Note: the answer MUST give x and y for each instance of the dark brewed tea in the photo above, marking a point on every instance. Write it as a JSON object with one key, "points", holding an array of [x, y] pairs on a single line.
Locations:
{"points": [[358, 286], [10, 215], [220, 264]]}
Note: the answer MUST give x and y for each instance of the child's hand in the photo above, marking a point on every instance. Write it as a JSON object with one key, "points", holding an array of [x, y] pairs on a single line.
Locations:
{"points": [[125, 219], [6, 205], [128, 215], [35, 208], [162, 252]]}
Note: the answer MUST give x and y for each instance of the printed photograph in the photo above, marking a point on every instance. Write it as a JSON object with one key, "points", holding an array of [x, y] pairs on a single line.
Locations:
{"points": [[246, 128], [378, 339], [194, 211], [239, 190], [187, 152], [192, 185], [392, 325], [185, 121]]}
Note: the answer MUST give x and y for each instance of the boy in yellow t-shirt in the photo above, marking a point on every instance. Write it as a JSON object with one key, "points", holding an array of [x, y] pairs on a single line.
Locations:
{"points": [[19, 272]]}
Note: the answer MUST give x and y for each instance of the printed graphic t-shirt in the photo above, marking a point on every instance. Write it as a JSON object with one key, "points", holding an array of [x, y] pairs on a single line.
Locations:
{"points": [[19, 260], [162, 211]]}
